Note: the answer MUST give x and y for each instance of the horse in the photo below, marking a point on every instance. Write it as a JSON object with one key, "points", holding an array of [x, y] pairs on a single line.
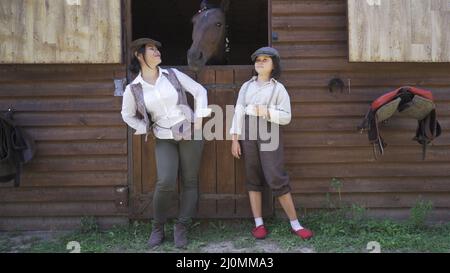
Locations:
{"points": [[209, 41]]}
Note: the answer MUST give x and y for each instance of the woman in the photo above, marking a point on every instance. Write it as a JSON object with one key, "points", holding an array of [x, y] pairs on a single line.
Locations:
{"points": [[263, 102], [155, 103]]}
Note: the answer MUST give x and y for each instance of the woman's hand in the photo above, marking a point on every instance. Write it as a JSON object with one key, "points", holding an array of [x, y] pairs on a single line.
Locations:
{"points": [[236, 148], [198, 124]]}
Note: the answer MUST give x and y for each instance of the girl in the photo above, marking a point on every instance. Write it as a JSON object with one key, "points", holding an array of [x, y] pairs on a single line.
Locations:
{"points": [[264, 101], [155, 103]]}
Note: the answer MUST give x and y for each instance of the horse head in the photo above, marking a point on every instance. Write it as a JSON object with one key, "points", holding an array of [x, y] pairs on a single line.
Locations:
{"points": [[208, 36]]}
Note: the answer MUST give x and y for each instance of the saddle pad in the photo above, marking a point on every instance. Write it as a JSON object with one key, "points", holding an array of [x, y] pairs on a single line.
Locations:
{"points": [[419, 108], [386, 111]]}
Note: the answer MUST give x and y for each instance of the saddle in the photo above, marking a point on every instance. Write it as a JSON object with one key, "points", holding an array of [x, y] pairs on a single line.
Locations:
{"points": [[405, 101], [16, 149]]}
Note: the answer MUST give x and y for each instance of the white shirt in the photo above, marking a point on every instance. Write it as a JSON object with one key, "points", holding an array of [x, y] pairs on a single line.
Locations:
{"points": [[279, 110], [161, 102]]}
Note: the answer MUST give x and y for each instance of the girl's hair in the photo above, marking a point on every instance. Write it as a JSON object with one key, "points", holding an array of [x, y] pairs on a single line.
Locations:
{"points": [[276, 72], [135, 66]]}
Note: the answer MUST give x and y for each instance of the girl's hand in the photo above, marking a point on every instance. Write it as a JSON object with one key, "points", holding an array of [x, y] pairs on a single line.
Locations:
{"points": [[236, 149], [262, 111]]}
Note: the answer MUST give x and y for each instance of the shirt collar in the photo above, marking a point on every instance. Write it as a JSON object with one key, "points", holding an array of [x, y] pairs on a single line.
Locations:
{"points": [[140, 80], [254, 78]]}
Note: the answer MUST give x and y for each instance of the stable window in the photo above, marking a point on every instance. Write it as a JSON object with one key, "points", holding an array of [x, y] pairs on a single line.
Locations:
{"points": [[399, 31], [169, 22]]}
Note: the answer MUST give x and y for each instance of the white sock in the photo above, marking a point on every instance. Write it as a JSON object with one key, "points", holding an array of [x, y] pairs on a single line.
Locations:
{"points": [[295, 224], [259, 221]]}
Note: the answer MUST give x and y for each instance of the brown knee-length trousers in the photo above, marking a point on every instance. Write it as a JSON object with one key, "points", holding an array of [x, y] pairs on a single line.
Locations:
{"points": [[263, 166]]}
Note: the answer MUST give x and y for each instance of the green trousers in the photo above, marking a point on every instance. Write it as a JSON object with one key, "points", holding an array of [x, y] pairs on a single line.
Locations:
{"points": [[174, 157]]}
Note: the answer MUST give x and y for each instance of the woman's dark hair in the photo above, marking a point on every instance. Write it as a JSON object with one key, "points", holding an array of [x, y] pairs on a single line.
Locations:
{"points": [[276, 72], [135, 66]]}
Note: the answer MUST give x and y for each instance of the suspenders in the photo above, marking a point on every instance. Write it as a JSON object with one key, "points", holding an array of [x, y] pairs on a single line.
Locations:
{"points": [[271, 96]]}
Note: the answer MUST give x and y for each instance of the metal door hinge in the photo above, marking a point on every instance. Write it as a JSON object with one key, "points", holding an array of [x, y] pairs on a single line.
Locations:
{"points": [[119, 87]]}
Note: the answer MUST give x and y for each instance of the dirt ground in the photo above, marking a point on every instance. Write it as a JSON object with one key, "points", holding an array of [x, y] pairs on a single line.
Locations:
{"points": [[14, 242]]}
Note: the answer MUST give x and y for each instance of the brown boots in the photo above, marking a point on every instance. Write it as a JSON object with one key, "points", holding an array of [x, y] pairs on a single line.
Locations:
{"points": [[157, 236], [179, 235]]}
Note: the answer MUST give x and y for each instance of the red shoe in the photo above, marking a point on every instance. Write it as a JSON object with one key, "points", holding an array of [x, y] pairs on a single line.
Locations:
{"points": [[303, 233], [259, 232]]}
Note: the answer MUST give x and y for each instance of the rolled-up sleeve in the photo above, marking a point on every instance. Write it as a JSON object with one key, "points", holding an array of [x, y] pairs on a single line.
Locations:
{"points": [[198, 91], [129, 113], [280, 111]]}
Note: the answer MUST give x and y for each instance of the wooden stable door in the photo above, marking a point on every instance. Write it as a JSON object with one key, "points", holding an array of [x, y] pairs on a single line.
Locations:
{"points": [[222, 191]]}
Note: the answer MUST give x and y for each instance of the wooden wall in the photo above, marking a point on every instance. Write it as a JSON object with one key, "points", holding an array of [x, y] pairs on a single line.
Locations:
{"points": [[80, 168], [322, 142], [399, 30], [57, 31]]}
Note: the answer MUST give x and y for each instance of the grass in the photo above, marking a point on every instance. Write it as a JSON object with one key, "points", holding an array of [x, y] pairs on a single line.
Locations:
{"points": [[339, 230]]}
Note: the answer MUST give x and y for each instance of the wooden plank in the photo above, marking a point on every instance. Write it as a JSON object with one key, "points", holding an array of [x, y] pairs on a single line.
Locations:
{"points": [[55, 73], [242, 205], [208, 171], [436, 216], [364, 154], [84, 163], [56, 223], [306, 22], [365, 76], [63, 105], [38, 119], [225, 162], [300, 8], [372, 184], [208, 179], [78, 134], [340, 64], [61, 31], [329, 124], [82, 148], [59, 194], [355, 139], [59, 209], [346, 109], [242, 74], [373, 200], [308, 36], [398, 31], [148, 166], [379, 169], [355, 94], [55, 89], [137, 164], [71, 179], [310, 51]]}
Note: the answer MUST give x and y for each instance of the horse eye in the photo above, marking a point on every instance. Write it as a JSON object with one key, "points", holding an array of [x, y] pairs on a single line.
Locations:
{"points": [[219, 24]]}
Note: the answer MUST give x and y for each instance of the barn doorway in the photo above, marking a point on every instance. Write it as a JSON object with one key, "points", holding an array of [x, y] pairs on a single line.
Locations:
{"points": [[221, 183], [169, 22]]}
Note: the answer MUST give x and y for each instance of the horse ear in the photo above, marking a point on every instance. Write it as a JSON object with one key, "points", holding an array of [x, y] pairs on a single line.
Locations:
{"points": [[204, 4], [225, 5]]}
